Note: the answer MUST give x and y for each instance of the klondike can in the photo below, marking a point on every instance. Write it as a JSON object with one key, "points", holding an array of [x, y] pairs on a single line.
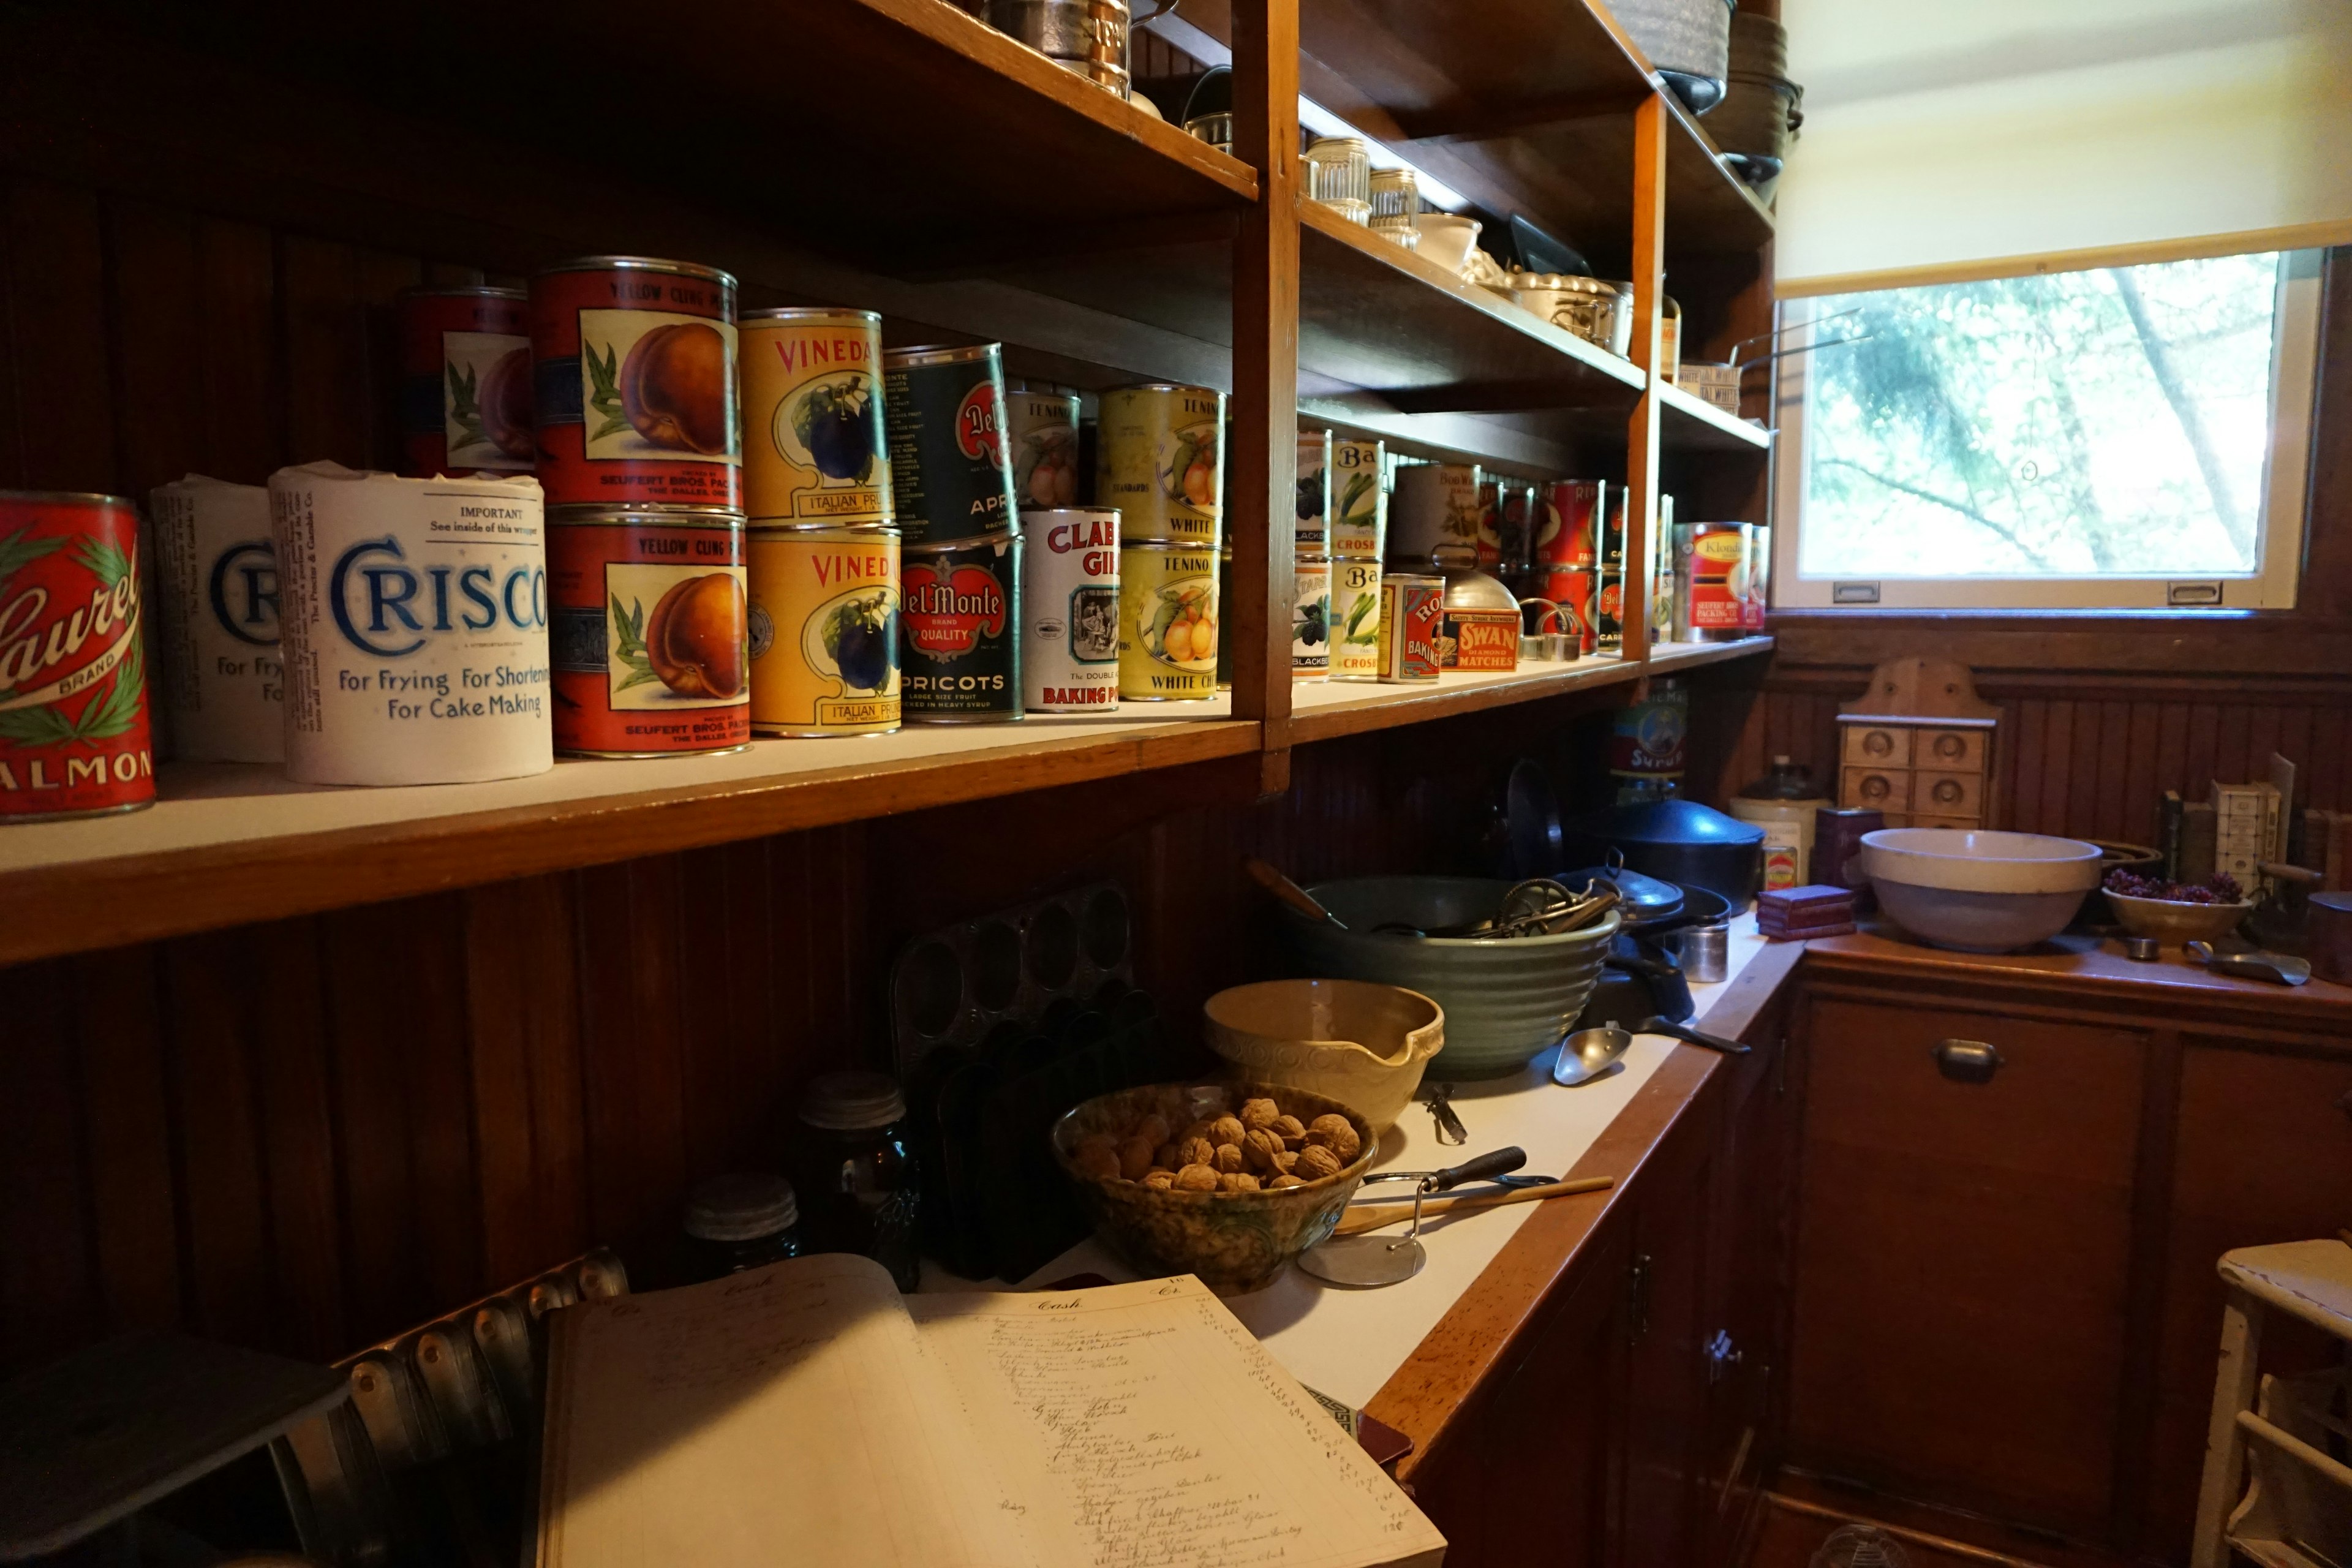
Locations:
{"points": [[647, 630], [825, 629], [1359, 501], [1355, 620], [1311, 532], [634, 374], [1042, 427], [1157, 462], [1168, 640], [949, 474], [1310, 617], [1411, 608], [1069, 610], [74, 737], [465, 387], [959, 630], [814, 446]]}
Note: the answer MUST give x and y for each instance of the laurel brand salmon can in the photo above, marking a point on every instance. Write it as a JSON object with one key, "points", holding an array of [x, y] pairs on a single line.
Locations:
{"points": [[466, 382], [634, 364], [648, 631], [1355, 620], [1310, 617], [1157, 460], [1359, 501], [1411, 609], [825, 630], [959, 630], [948, 469], [1044, 429], [1167, 638], [1069, 615], [813, 444], [74, 736], [216, 613]]}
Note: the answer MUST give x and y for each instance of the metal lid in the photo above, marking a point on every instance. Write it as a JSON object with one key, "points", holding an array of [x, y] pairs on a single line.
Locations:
{"points": [[463, 291], [1091, 513], [741, 1207], [1341, 146], [1471, 589], [638, 264], [810, 314], [1175, 546], [52, 496], [852, 1101], [847, 533], [576, 513], [937, 353], [1562, 282], [1164, 386], [997, 540]]}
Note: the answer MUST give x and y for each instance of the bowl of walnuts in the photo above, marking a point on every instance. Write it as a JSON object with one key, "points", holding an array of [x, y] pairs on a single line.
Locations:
{"points": [[1226, 1180]]}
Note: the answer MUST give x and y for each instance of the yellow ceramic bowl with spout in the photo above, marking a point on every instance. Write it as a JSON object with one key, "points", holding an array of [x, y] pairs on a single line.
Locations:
{"points": [[1361, 1044]]}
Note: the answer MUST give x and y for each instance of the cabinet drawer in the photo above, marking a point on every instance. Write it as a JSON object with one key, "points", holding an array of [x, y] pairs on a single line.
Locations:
{"points": [[1878, 745], [1881, 789], [1958, 750], [1964, 823], [1947, 794]]}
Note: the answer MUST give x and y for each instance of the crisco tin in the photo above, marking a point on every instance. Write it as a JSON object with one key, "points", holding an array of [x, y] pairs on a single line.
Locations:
{"points": [[1044, 429], [949, 466], [216, 607], [634, 364], [1411, 610], [814, 446], [1435, 506], [1310, 617], [74, 736], [1355, 620], [1070, 613], [1225, 596], [1159, 462], [1760, 576], [1311, 535], [1359, 501], [825, 629], [413, 620], [959, 630], [1168, 610], [648, 631], [466, 382]]}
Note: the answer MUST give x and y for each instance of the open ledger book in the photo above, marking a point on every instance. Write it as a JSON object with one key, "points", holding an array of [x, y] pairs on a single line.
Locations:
{"points": [[806, 1414]]}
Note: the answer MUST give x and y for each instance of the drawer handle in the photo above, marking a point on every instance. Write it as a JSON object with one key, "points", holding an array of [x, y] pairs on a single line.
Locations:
{"points": [[1949, 746], [1967, 1061], [1946, 792]]}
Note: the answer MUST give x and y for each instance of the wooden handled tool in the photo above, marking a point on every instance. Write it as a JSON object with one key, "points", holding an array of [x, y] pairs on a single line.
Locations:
{"points": [[1289, 891], [1372, 1216]]}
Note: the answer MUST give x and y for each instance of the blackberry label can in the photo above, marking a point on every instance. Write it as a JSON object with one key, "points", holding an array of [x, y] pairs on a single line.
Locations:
{"points": [[1355, 620], [1411, 609], [823, 629], [223, 684], [466, 382], [646, 631], [1069, 615], [1168, 640], [1158, 460], [959, 630], [814, 444], [1043, 430], [1310, 618], [1360, 501], [1311, 530], [952, 477]]}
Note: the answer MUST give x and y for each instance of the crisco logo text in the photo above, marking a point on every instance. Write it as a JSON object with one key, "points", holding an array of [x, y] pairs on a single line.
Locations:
{"points": [[386, 606]]}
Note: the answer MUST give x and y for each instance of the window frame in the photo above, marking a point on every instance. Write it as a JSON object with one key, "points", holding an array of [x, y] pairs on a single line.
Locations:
{"points": [[2274, 584]]}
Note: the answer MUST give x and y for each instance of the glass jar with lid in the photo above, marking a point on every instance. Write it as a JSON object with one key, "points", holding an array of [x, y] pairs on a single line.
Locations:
{"points": [[739, 1222], [1339, 176], [856, 1175], [1396, 207]]}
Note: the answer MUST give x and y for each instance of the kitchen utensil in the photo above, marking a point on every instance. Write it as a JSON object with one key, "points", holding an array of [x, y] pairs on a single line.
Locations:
{"points": [[1647, 904], [2173, 920], [1978, 892], [1446, 238], [2283, 912], [1677, 841], [1449, 1129], [1363, 1216], [1364, 1260], [1289, 891], [1521, 1179], [1537, 907], [2330, 936], [1364, 1044], [1531, 824], [1704, 952], [2142, 949], [1654, 1025], [2278, 968], [1588, 1053]]}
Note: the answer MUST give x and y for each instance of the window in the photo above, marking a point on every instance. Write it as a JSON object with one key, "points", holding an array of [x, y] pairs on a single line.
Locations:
{"points": [[2124, 437]]}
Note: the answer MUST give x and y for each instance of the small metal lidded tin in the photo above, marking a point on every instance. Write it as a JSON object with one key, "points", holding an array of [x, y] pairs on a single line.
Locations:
{"points": [[1360, 501], [1069, 611], [1158, 460], [1311, 530], [950, 474], [959, 630], [646, 631], [466, 380], [814, 449], [1355, 620], [825, 629], [1411, 609], [1168, 609], [1310, 617], [1042, 429]]}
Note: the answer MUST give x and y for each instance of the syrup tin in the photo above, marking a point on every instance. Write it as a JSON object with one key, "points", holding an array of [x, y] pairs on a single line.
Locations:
{"points": [[1435, 506], [1069, 611], [1311, 534], [948, 468], [814, 449], [1158, 462], [1412, 608], [466, 382], [959, 630], [634, 363], [74, 725], [1168, 609], [648, 631], [1310, 617], [1355, 620], [1360, 501], [216, 608], [823, 629], [413, 623], [1043, 427]]}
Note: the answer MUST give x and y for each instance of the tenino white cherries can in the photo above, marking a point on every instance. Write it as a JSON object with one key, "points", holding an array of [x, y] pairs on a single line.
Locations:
{"points": [[413, 623], [223, 683], [1069, 615]]}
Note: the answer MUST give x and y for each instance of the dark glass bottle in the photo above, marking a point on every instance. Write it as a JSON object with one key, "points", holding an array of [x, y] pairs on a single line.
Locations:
{"points": [[739, 1222], [856, 1174]]}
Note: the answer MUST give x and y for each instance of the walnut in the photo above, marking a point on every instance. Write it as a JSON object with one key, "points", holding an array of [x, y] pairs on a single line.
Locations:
{"points": [[1199, 1128], [1286, 1162], [1261, 1148], [1158, 1180], [1237, 1182], [1226, 1130], [1336, 1134], [1290, 1130], [1314, 1163], [1195, 1151], [1196, 1179], [1257, 1113], [1134, 1157], [1097, 1158], [1154, 1127], [1165, 1156], [1229, 1157], [1285, 1180]]}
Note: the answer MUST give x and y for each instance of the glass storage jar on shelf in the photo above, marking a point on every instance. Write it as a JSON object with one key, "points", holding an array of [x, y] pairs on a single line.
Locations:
{"points": [[855, 1176], [1340, 175], [739, 1222], [1396, 207]]}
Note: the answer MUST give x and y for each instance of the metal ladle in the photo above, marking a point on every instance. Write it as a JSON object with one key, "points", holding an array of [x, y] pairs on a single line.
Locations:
{"points": [[1367, 1259], [1588, 1053]]}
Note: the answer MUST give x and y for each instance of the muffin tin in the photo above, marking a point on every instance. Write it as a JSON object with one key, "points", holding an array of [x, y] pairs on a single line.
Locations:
{"points": [[953, 985]]}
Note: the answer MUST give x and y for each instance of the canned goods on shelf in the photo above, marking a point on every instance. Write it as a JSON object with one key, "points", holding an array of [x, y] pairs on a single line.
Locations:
{"points": [[647, 630], [1360, 499], [1169, 638], [1158, 462], [1069, 615], [1311, 533], [1042, 427], [1435, 506], [466, 382], [1412, 607], [814, 449], [824, 604], [1310, 617], [1355, 619], [222, 680], [952, 477], [959, 630]]}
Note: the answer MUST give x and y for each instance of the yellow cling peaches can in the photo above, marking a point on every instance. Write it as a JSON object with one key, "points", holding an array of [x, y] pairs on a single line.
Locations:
{"points": [[1167, 623], [814, 450], [825, 630], [1157, 460], [645, 630]]}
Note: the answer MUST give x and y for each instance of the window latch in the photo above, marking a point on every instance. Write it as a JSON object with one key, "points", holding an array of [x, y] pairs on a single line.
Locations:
{"points": [[2204, 593], [1853, 593]]}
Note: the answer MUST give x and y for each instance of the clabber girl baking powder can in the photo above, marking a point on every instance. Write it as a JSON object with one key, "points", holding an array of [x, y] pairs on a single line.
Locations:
{"points": [[1069, 617]]}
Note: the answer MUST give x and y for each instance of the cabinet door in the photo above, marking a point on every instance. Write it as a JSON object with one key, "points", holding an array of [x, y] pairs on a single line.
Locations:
{"points": [[1746, 1292], [1962, 1259], [1666, 1404]]}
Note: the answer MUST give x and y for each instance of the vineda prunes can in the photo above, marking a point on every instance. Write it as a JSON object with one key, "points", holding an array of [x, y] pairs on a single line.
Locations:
{"points": [[1158, 461], [1069, 610], [634, 363], [74, 737], [1167, 637], [466, 387], [814, 446], [950, 473], [1359, 501], [1042, 427], [1355, 620], [1411, 608], [823, 629], [1310, 617], [647, 630], [959, 630], [1311, 532]]}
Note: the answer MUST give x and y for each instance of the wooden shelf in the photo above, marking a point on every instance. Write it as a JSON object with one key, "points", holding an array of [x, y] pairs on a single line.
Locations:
{"points": [[1690, 423]]}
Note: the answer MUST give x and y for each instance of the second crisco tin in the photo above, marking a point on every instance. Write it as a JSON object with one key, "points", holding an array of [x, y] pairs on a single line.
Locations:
{"points": [[1355, 620], [464, 393], [825, 630], [646, 631], [1157, 460], [1310, 617], [1411, 608], [1359, 501], [1311, 534], [1167, 637], [948, 469], [814, 448], [959, 630], [1069, 611], [1042, 427]]}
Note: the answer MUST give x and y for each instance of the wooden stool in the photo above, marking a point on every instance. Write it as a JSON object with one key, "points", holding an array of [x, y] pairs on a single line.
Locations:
{"points": [[2281, 1427]]}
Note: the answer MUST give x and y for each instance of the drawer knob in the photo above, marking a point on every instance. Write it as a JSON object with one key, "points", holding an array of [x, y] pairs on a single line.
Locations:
{"points": [[1949, 746], [1967, 1061], [1878, 743]]}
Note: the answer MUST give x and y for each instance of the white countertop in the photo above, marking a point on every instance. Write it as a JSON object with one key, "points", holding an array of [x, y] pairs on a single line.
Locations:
{"points": [[1347, 1343]]}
